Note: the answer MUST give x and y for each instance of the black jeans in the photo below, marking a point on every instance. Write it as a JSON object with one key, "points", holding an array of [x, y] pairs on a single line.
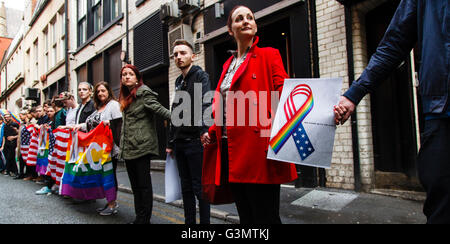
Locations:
{"points": [[10, 156], [22, 166], [189, 155], [141, 184], [2, 164], [434, 170], [255, 203], [31, 171]]}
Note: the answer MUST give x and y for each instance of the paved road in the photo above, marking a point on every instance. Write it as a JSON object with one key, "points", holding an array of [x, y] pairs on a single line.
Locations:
{"points": [[19, 205]]}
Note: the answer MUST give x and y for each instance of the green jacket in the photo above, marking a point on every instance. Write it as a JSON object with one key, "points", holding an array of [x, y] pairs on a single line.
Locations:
{"points": [[138, 136]]}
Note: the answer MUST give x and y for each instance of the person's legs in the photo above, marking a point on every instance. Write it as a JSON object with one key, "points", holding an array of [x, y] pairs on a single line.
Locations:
{"points": [[2, 163], [257, 203], [141, 184], [10, 156], [434, 170], [189, 159], [186, 185], [22, 166], [195, 156]]}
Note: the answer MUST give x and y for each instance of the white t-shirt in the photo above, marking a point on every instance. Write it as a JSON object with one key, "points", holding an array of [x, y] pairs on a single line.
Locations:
{"points": [[71, 116]]}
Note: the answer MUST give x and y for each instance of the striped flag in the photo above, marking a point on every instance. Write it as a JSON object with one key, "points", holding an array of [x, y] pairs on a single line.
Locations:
{"points": [[25, 139], [57, 158], [33, 148]]}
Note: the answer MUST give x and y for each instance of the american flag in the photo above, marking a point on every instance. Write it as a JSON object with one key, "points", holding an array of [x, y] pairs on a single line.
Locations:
{"points": [[33, 148], [25, 141], [58, 146]]}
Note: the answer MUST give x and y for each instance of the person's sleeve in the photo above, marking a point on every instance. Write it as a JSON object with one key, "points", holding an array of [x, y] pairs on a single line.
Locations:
{"points": [[278, 72], [206, 88], [151, 103], [171, 137], [397, 43], [115, 111]]}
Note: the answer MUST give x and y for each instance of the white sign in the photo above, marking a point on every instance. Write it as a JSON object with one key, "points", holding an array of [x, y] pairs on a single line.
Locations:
{"points": [[172, 179], [303, 129]]}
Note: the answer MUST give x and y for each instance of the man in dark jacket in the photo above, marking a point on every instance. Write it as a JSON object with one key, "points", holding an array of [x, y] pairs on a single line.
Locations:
{"points": [[186, 129], [10, 137], [426, 23]]}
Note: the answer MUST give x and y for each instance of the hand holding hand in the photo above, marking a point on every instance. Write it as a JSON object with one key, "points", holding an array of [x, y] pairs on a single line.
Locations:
{"points": [[343, 110]]}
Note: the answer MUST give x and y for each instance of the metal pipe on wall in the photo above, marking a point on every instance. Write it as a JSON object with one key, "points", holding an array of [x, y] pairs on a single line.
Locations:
{"points": [[351, 77]]}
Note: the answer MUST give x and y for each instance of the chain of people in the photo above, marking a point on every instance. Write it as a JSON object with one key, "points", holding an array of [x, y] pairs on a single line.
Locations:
{"points": [[74, 149]]}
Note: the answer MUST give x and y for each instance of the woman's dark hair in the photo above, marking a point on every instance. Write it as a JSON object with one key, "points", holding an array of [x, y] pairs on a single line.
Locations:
{"points": [[97, 102], [230, 19], [126, 97]]}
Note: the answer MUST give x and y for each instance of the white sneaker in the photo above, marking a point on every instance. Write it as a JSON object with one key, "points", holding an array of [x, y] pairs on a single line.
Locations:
{"points": [[44, 191]]}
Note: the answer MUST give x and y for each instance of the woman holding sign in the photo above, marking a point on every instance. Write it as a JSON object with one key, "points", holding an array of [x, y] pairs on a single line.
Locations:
{"points": [[138, 140], [254, 180]]}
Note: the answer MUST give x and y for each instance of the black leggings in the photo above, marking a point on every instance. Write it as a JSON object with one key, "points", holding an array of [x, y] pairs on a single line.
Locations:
{"points": [[141, 184], [255, 203]]}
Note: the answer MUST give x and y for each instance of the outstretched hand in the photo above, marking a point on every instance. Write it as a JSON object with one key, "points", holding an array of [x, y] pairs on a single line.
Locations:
{"points": [[343, 110]]}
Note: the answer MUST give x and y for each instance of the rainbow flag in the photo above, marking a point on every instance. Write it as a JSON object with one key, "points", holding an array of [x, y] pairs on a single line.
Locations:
{"points": [[45, 148], [88, 172]]}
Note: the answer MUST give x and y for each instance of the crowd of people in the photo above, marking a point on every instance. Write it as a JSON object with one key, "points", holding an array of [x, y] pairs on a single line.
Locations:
{"points": [[233, 158]]}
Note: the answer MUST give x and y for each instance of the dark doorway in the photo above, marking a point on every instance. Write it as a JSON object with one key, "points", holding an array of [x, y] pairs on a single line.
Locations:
{"points": [[159, 83], [393, 117]]}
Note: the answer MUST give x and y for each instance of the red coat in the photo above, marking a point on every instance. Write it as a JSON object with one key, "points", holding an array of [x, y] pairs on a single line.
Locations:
{"points": [[247, 149]]}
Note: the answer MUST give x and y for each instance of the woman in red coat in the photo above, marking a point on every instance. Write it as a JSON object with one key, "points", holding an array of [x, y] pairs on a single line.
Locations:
{"points": [[244, 92]]}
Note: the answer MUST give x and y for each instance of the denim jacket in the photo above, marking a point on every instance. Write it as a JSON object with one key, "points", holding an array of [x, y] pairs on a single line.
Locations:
{"points": [[422, 22]]}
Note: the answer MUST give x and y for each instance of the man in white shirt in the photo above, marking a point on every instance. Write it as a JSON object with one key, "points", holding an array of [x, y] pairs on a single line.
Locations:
{"points": [[71, 106]]}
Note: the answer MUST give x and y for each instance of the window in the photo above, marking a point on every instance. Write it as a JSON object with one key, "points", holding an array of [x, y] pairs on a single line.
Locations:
{"points": [[94, 15], [82, 21], [97, 13], [46, 44], [62, 37], [115, 8], [53, 43], [36, 59]]}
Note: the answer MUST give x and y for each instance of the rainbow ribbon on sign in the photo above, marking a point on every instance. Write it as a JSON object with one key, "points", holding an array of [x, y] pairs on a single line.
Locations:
{"points": [[294, 125]]}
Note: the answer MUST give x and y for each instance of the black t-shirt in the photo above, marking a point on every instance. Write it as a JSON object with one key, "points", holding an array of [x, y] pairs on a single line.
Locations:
{"points": [[43, 120], [9, 131]]}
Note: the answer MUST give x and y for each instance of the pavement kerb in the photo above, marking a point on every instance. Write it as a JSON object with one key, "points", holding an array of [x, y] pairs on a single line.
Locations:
{"points": [[214, 212]]}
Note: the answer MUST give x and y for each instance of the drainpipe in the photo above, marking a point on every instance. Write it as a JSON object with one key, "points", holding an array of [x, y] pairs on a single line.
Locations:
{"points": [[351, 78], [127, 34], [315, 69], [66, 42]]}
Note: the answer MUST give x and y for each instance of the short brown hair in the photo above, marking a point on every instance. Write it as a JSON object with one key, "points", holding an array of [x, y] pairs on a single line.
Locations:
{"points": [[183, 42]]}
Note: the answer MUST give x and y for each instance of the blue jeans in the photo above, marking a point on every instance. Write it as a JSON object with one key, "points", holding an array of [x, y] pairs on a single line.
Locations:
{"points": [[2, 162], [189, 155]]}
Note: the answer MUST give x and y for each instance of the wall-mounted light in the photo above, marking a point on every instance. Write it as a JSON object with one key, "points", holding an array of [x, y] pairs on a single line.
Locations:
{"points": [[123, 57]]}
